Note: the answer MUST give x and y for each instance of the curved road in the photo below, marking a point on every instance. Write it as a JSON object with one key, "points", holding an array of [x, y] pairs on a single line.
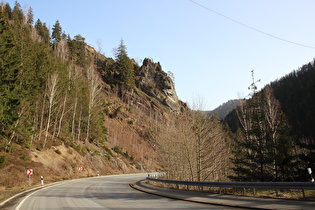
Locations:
{"points": [[107, 192]]}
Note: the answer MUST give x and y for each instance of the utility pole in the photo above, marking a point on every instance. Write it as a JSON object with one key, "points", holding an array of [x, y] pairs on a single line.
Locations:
{"points": [[253, 86]]}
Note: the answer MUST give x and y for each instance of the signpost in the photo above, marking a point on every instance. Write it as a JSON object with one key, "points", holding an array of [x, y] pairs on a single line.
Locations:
{"points": [[29, 172], [309, 170], [80, 170]]}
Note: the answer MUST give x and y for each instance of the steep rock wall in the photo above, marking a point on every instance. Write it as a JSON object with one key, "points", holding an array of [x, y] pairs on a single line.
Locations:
{"points": [[152, 80]]}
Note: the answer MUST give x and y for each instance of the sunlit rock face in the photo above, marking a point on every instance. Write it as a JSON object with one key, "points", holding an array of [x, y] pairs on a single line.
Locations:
{"points": [[155, 82]]}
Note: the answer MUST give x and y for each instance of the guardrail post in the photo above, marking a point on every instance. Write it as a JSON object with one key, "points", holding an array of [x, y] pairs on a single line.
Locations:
{"points": [[304, 196], [277, 192], [254, 192]]}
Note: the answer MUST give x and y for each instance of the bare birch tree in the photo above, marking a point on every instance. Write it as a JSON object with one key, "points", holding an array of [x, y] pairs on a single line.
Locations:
{"points": [[272, 112], [94, 90], [62, 50], [195, 148], [277, 129], [51, 94]]}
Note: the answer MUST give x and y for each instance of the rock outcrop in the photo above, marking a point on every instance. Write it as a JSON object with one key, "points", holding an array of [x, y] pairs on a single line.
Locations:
{"points": [[152, 80]]}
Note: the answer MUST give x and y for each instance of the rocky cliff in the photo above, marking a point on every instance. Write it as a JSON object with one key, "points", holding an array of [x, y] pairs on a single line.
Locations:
{"points": [[152, 80]]}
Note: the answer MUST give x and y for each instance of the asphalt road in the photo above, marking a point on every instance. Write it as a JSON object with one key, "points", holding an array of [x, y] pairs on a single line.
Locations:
{"points": [[107, 192]]}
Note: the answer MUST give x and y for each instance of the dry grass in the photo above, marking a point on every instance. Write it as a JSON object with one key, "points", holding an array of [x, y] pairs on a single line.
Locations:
{"points": [[284, 194]]}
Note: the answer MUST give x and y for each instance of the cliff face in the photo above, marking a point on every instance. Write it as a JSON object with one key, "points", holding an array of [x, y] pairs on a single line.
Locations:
{"points": [[152, 80]]}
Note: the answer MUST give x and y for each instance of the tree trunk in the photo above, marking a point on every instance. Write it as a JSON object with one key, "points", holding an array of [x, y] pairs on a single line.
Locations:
{"points": [[52, 90]]}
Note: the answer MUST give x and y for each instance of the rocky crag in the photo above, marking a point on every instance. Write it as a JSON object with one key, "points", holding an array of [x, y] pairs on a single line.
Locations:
{"points": [[152, 80]]}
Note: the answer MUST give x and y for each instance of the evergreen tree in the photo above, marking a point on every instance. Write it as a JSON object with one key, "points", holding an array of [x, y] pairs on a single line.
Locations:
{"points": [[56, 32], [77, 49], [42, 31], [7, 11], [9, 68], [29, 16], [17, 13], [125, 66]]}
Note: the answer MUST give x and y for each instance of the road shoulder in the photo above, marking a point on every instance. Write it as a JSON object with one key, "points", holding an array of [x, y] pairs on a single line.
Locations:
{"points": [[223, 200]]}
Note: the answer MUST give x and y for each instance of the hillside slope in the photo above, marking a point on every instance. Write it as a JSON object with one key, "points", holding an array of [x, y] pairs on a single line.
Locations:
{"points": [[280, 116], [295, 92], [223, 110]]}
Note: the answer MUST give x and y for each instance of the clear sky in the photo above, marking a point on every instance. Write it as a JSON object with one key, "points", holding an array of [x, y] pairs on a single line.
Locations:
{"points": [[211, 47]]}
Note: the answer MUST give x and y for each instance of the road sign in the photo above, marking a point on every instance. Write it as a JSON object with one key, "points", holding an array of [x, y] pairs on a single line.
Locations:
{"points": [[81, 169], [29, 171]]}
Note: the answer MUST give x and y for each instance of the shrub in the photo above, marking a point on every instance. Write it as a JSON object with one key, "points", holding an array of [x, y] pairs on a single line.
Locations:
{"points": [[127, 154], [27, 145], [24, 156], [132, 158], [118, 149], [116, 113], [106, 154], [3, 158], [84, 150]]}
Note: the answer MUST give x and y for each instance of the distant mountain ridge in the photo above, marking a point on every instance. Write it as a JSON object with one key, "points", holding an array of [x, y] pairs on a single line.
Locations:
{"points": [[223, 110]]}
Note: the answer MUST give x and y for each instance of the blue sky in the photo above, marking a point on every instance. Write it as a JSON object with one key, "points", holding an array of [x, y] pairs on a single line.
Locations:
{"points": [[210, 56]]}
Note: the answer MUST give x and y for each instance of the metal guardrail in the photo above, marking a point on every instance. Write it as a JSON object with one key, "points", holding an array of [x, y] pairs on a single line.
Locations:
{"points": [[257, 185], [245, 185]]}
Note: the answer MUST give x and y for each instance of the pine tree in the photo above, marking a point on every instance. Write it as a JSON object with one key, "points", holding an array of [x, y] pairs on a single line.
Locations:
{"points": [[29, 16], [56, 32], [125, 66], [77, 48], [9, 68], [7, 11], [42, 31], [17, 13]]}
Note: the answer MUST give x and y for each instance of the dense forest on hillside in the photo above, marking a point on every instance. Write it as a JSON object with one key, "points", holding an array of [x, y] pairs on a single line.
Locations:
{"points": [[296, 92], [38, 84], [280, 119]]}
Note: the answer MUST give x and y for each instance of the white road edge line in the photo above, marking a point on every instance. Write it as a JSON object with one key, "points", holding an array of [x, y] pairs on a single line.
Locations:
{"points": [[21, 203], [55, 184]]}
